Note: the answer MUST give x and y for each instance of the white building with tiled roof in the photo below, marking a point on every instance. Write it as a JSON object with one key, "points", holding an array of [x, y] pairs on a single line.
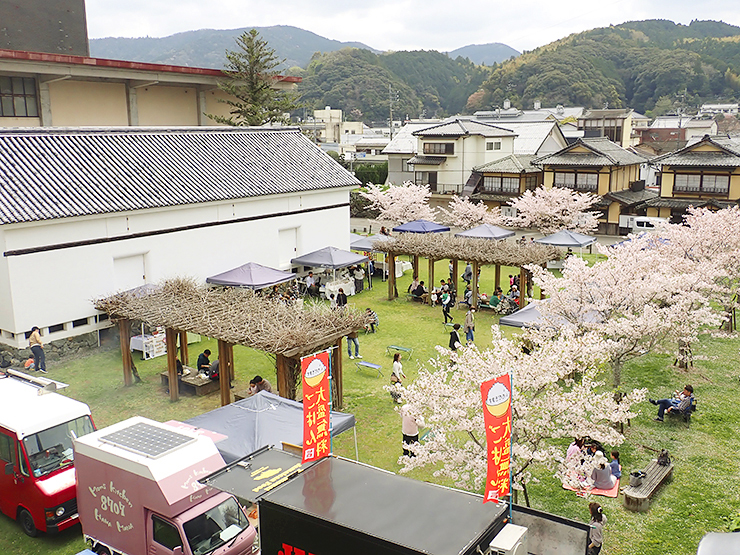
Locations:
{"points": [[87, 212]]}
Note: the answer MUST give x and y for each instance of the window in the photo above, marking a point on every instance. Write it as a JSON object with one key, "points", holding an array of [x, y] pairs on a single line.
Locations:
{"points": [[439, 148], [577, 180], [18, 97], [532, 181], [165, 533], [405, 165], [80, 322], [500, 184], [495, 145], [7, 449], [426, 178], [56, 327], [701, 183]]}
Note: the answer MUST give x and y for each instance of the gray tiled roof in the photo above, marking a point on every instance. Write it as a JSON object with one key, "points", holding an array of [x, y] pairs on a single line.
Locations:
{"points": [[57, 173], [684, 203], [510, 164], [727, 155], [602, 152], [460, 127], [630, 198], [427, 160]]}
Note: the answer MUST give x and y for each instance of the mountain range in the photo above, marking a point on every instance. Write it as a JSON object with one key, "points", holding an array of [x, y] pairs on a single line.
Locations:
{"points": [[207, 47]]}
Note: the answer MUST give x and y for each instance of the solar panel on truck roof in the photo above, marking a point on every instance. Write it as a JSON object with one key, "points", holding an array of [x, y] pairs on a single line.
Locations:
{"points": [[145, 439]]}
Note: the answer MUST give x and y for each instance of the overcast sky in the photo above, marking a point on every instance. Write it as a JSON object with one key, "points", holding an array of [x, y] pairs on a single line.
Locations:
{"points": [[399, 24]]}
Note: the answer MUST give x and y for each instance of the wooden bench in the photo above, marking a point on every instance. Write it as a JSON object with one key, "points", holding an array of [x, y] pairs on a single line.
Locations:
{"points": [[638, 498], [400, 349], [412, 297], [192, 383], [364, 364]]}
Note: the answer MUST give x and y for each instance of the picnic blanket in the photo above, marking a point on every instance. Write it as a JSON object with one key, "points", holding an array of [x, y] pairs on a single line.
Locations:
{"points": [[613, 492]]}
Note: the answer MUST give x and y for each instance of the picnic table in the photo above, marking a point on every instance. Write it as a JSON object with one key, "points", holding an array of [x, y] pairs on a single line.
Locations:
{"points": [[638, 498], [192, 383], [408, 350], [364, 364]]}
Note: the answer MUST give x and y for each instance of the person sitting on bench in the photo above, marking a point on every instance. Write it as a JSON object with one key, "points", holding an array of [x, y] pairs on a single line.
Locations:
{"points": [[679, 403], [257, 384], [421, 292], [204, 362]]}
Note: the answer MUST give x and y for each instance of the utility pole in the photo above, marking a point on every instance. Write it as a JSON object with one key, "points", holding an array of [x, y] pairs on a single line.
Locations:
{"points": [[391, 98]]}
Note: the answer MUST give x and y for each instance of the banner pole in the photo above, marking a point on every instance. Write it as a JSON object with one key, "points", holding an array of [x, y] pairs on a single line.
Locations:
{"points": [[331, 377]]}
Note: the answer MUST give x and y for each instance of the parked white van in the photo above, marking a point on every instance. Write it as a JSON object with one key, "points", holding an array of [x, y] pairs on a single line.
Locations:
{"points": [[638, 224]]}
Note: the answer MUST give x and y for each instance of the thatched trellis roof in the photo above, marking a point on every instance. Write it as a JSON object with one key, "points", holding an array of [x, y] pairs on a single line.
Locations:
{"points": [[234, 315], [484, 251]]}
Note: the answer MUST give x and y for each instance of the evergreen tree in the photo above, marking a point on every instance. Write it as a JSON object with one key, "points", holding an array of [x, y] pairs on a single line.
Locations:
{"points": [[251, 76]]}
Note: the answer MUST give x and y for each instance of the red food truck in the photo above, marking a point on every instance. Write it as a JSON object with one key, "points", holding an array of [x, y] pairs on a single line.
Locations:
{"points": [[37, 426]]}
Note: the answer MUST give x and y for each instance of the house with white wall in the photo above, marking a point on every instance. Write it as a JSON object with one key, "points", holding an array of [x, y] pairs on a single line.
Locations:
{"points": [[88, 212]]}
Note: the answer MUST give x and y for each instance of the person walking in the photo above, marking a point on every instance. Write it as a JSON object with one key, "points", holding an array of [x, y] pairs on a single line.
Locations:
{"points": [[409, 431], [596, 534], [37, 348], [341, 298], [469, 326], [352, 339], [455, 337], [445, 301], [396, 376]]}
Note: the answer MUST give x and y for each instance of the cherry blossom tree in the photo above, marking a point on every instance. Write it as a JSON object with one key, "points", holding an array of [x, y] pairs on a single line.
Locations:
{"points": [[641, 296], [400, 203], [461, 212], [547, 403], [553, 209]]}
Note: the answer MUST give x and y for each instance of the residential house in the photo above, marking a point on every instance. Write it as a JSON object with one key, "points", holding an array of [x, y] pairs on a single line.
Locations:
{"points": [[449, 151], [402, 148], [501, 180], [88, 212], [60, 90], [599, 166], [615, 125], [705, 173], [714, 109]]}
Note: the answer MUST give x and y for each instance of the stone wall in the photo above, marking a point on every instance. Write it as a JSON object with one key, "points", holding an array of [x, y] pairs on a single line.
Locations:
{"points": [[71, 347]]}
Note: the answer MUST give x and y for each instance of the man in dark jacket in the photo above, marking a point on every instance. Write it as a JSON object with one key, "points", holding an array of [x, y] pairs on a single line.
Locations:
{"points": [[455, 337]]}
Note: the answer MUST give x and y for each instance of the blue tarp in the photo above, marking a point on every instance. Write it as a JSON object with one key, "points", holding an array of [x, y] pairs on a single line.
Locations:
{"points": [[421, 226]]}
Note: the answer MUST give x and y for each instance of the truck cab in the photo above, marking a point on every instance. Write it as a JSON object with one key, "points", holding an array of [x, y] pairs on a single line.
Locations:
{"points": [[37, 427]]}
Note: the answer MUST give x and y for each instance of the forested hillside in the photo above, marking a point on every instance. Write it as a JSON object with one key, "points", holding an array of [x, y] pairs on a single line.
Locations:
{"points": [[428, 83], [651, 66]]}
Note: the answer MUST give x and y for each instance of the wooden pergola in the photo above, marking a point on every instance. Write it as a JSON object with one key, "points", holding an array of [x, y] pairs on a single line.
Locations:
{"points": [[478, 252], [234, 316]]}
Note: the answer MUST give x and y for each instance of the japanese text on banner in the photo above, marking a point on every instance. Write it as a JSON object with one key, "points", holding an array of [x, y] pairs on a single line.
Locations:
{"points": [[316, 406], [496, 396]]}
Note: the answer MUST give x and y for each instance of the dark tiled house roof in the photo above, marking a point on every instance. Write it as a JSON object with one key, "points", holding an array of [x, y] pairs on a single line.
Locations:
{"points": [[601, 152], [49, 173], [728, 155], [461, 127]]}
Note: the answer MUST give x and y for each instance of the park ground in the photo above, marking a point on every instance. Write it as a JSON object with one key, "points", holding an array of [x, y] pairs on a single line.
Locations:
{"points": [[703, 495]]}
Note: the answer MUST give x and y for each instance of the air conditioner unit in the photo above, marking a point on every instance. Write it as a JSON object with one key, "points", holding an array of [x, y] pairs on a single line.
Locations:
{"points": [[508, 212], [511, 540]]}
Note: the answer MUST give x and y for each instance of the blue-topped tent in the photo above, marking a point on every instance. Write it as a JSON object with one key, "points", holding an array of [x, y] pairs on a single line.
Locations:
{"points": [[486, 231], [567, 238], [252, 276], [421, 226]]}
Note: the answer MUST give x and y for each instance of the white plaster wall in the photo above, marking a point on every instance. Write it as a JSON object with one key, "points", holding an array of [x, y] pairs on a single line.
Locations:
{"points": [[58, 286]]}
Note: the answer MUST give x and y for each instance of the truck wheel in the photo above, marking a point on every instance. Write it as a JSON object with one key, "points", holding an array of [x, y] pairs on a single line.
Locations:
{"points": [[101, 550], [26, 521]]}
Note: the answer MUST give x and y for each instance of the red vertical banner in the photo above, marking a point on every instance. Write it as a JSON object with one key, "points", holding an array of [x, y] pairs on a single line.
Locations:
{"points": [[496, 396], [316, 406]]}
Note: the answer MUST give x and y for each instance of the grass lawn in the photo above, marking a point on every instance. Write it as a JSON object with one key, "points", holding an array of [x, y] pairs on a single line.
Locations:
{"points": [[702, 496]]}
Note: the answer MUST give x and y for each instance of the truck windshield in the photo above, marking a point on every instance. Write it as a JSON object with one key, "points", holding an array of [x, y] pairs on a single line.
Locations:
{"points": [[212, 529], [51, 449]]}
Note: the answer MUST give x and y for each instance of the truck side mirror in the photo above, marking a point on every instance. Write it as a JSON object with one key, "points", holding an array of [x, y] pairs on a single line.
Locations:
{"points": [[177, 550], [9, 468]]}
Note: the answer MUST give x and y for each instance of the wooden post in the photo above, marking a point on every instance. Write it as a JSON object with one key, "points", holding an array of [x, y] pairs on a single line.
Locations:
{"points": [[542, 293], [225, 370], [281, 368], [124, 326], [455, 276], [392, 290], [522, 287], [415, 262], [183, 336], [170, 337], [431, 279], [337, 387], [474, 286], [497, 277]]}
